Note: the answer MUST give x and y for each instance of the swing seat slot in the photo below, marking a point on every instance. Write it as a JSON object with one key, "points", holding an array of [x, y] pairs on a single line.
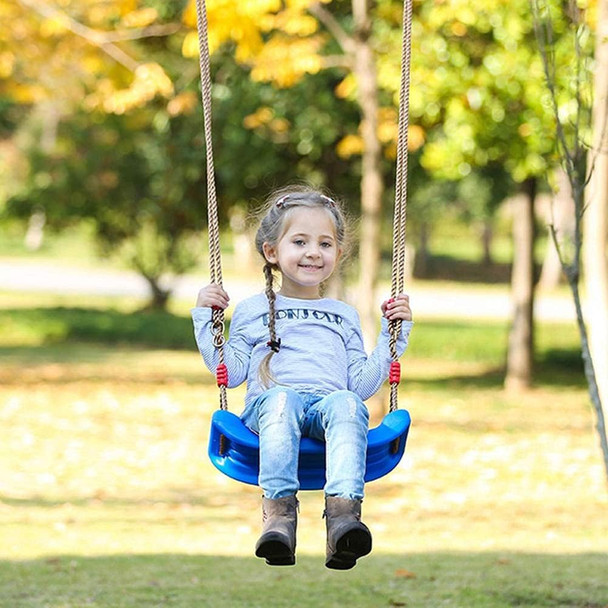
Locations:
{"points": [[234, 450]]}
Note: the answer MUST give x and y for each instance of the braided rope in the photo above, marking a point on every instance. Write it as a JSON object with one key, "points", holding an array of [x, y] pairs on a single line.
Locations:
{"points": [[400, 207], [215, 260]]}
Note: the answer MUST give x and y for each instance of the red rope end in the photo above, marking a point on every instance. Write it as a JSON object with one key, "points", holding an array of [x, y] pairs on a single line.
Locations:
{"points": [[221, 374], [394, 374]]}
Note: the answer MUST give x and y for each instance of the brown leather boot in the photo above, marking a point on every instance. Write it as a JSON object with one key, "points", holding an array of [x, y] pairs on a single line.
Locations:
{"points": [[278, 541], [348, 538]]}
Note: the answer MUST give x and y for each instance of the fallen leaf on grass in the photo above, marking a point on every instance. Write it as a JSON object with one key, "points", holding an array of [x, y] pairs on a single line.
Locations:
{"points": [[403, 573]]}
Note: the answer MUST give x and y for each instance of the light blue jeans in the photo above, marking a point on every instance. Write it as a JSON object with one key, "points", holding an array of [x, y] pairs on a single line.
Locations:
{"points": [[281, 416]]}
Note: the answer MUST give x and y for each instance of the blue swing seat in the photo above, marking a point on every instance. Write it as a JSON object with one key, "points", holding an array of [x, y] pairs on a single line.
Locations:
{"points": [[234, 450]]}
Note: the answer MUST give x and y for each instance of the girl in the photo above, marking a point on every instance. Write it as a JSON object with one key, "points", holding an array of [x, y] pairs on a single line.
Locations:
{"points": [[307, 372]]}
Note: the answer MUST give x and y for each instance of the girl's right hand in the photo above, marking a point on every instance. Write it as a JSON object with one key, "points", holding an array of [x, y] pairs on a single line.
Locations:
{"points": [[397, 309], [212, 296]]}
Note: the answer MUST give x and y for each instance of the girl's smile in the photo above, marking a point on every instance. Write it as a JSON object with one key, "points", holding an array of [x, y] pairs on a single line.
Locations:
{"points": [[306, 253]]}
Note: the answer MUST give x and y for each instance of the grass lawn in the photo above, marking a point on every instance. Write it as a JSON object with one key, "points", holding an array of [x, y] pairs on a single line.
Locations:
{"points": [[107, 498]]}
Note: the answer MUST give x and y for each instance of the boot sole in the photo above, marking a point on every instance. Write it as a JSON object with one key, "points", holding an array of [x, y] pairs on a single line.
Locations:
{"points": [[275, 552], [349, 548]]}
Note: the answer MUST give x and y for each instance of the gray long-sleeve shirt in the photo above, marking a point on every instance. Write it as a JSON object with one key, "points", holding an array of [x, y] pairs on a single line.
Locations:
{"points": [[321, 346]]}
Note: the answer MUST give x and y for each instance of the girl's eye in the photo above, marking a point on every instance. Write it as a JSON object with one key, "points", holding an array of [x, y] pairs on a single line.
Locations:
{"points": [[299, 242], [326, 245]]}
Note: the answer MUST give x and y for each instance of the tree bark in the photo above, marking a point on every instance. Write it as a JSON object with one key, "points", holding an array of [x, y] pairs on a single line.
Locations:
{"points": [[371, 180], [520, 353]]}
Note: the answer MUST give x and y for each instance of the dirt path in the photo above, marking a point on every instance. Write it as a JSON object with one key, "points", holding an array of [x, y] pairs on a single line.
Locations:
{"points": [[427, 300]]}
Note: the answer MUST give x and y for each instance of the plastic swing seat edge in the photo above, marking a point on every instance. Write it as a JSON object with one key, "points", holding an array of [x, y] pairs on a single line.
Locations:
{"points": [[234, 450]]}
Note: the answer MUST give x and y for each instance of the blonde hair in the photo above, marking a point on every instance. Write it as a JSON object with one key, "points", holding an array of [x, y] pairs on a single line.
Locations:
{"points": [[271, 229]]}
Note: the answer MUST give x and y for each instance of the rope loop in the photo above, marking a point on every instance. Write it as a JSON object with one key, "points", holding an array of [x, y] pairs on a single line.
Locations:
{"points": [[217, 329]]}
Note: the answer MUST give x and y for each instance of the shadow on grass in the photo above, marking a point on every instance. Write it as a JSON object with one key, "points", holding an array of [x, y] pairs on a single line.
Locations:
{"points": [[91, 359], [449, 268], [173, 497], [466, 580], [39, 336], [64, 325], [546, 373], [60, 366]]}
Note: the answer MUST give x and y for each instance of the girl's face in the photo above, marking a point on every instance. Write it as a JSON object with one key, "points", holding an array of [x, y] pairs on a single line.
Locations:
{"points": [[306, 253]]}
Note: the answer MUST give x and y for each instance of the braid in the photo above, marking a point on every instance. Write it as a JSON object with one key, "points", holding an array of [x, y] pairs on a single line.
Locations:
{"points": [[274, 343], [271, 228]]}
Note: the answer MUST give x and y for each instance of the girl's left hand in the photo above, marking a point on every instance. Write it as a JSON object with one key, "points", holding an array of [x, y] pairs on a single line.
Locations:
{"points": [[397, 309]]}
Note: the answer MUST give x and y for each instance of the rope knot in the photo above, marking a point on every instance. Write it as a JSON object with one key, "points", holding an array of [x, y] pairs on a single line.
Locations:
{"points": [[221, 375], [394, 374]]}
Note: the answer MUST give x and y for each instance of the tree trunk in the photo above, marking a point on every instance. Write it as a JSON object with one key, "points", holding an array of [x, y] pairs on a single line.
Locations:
{"points": [[596, 216], [487, 235], [50, 117], [423, 253], [371, 180], [561, 217], [34, 235], [159, 296], [520, 352]]}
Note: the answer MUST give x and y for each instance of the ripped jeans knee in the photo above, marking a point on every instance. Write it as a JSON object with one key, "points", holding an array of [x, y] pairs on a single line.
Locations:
{"points": [[345, 406], [276, 417], [278, 405]]}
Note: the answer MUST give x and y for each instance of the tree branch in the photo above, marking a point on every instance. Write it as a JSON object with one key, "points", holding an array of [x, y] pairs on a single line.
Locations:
{"points": [[150, 31], [334, 28], [572, 157], [544, 35], [337, 61], [103, 40]]}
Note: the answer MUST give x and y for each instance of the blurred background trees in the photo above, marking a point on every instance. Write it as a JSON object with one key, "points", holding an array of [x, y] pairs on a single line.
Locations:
{"points": [[100, 121]]}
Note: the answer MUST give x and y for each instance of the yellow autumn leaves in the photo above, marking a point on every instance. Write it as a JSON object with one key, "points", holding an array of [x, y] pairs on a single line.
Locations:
{"points": [[82, 52], [149, 81], [280, 43]]}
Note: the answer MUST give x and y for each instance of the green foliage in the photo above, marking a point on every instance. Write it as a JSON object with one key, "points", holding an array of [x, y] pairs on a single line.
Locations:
{"points": [[566, 42], [479, 90], [469, 200], [136, 178], [266, 137], [167, 11], [478, 104], [140, 177], [11, 114]]}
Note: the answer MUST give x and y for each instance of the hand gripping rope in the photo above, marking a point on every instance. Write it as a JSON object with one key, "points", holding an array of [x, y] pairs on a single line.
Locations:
{"points": [[400, 208], [215, 261]]}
